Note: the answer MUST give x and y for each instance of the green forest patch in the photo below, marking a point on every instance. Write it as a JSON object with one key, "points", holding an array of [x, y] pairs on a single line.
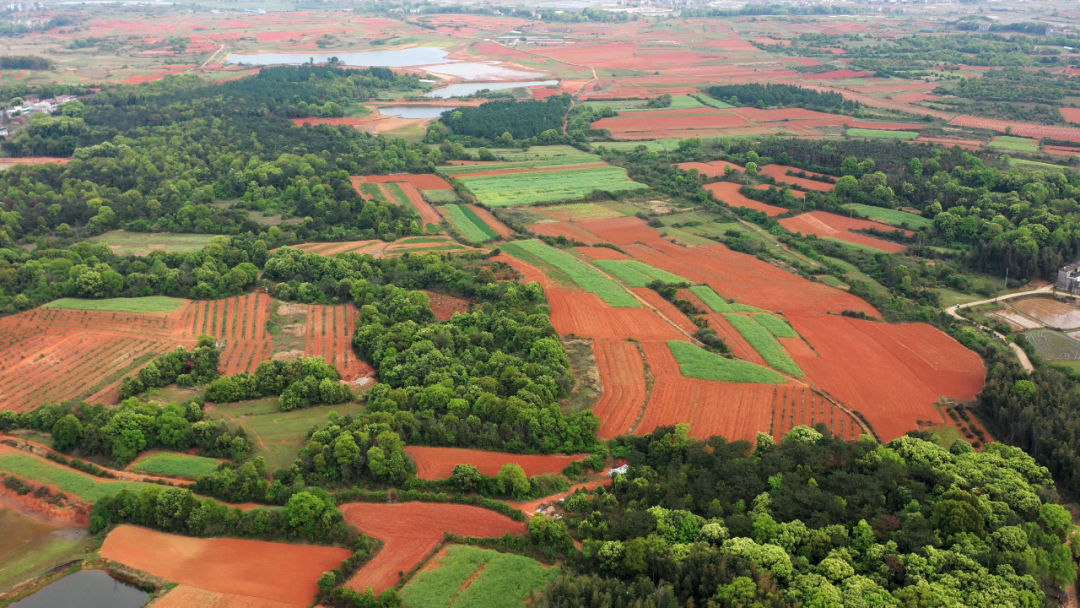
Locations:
{"points": [[576, 270], [150, 305], [696, 362], [763, 341], [172, 464], [477, 578], [638, 274]]}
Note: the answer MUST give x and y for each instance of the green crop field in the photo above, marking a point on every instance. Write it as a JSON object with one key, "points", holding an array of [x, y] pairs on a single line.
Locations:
{"points": [[440, 197], [547, 186], [638, 274], [544, 155], [469, 225], [711, 298], [1034, 164], [776, 326], [712, 102], [152, 305], [41, 470], [890, 216], [1053, 345], [172, 464], [477, 578], [575, 270], [276, 435], [1020, 144], [696, 362], [764, 342], [123, 242], [882, 133]]}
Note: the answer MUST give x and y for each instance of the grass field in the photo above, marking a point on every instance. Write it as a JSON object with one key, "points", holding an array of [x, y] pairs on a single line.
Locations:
{"points": [[584, 275], [776, 326], [278, 436], [471, 227], [1053, 345], [1020, 144], [1034, 164], [882, 134], [171, 464], [547, 186], [711, 298], [638, 274], [712, 102], [653, 145], [142, 243], [890, 216], [543, 156], [440, 197], [152, 305], [477, 578], [763, 341], [696, 362], [41, 470], [24, 554]]}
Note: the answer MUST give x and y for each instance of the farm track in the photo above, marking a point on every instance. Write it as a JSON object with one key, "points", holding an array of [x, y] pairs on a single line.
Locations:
{"points": [[1025, 361]]}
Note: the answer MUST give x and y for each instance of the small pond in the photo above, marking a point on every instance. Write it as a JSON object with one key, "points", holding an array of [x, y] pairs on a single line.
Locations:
{"points": [[464, 89], [86, 589], [414, 111]]}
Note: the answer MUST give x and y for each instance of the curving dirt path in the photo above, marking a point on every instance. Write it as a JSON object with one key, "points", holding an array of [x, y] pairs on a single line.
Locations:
{"points": [[1025, 362]]}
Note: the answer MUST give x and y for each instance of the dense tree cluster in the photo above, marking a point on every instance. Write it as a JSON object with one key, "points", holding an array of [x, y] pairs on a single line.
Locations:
{"points": [[120, 433], [301, 383], [521, 119], [183, 367], [781, 96], [25, 62], [814, 521]]}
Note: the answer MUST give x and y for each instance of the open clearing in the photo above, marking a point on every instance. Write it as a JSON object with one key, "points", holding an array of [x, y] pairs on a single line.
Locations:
{"points": [[148, 305], [832, 226], [512, 189], [123, 242], [266, 570], [438, 463], [172, 464], [469, 577]]}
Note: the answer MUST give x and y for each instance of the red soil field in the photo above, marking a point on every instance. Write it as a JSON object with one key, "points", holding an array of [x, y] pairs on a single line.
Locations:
{"points": [[715, 168], [646, 124], [728, 192], [830, 225], [183, 596], [1061, 150], [779, 173], [586, 315], [33, 160], [1023, 129], [240, 322], [892, 374], [444, 306], [602, 253], [515, 170], [735, 275], [329, 335], [1071, 114], [734, 410], [967, 144], [788, 114], [493, 222], [887, 126], [666, 309], [337, 248], [438, 463], [528, 272], [412, 530], [799, 406], [839, 74], [622, 372], [422, 181], [915, 97], [569, 230], [274, 571]]}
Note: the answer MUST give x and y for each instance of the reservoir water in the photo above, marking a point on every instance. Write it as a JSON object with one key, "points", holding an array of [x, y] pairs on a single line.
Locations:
{"points": [[464, 89], [414, 111], [86, 589]]}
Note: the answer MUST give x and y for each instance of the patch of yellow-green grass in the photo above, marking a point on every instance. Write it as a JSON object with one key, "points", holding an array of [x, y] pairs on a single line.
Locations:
{"points": [[574, 268], [91, 489], [765, 343], [173, 464], [150, 305], [471, 577], [638, 274], [776, 326], [696, 362], [123, 242]]}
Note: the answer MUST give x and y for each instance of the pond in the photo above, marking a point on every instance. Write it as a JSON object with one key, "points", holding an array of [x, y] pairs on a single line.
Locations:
{"points": [[470, 70], [414, 111], [464, 89], [399, 58], [86, 589]]}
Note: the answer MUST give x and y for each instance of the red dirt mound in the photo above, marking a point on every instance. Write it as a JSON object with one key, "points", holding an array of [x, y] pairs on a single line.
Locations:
{"points": [[411, 532], [438, 463], [273, 571]]}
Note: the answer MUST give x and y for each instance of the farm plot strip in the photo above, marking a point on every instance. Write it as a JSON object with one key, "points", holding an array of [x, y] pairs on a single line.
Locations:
{"points": [[471, 227], [512, 189], [765, 343], [438, 463], [622, 372], [582, 274]]}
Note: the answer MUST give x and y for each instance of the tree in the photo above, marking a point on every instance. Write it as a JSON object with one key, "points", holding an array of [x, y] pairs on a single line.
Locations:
{"points": [[303, 511], [466, 478], [66, 433], [512, 480]]}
